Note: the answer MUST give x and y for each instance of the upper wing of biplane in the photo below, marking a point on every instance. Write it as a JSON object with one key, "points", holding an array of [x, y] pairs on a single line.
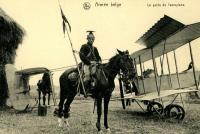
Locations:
{"points": [[165, 36]]}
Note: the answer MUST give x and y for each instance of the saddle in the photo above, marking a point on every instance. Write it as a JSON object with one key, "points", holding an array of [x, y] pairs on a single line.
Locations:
{"points": [[98, 78], [99, 81]]}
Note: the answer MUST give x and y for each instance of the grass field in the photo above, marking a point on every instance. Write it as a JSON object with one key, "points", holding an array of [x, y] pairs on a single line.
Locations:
{"points": [[82, 121]]}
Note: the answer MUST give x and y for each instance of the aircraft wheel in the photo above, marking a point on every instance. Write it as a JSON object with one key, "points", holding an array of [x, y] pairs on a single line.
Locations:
{"points": [[122, 94], [149, 107], [181, 113], [155, 107], [166, 110], [175, 111]]}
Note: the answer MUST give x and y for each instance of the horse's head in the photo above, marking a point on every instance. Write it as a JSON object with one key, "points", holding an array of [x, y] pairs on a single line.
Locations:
{"points": [[126, 64]]}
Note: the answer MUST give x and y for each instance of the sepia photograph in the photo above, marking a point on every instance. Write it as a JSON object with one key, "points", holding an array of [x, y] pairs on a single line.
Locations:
{"points": [[99, 67]]}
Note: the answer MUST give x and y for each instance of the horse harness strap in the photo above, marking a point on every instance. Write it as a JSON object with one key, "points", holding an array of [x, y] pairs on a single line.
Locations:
{"points": [[104, 74]]}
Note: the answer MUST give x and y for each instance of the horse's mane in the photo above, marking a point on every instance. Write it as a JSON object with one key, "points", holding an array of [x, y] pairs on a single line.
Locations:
{"points": [[113, 60]]}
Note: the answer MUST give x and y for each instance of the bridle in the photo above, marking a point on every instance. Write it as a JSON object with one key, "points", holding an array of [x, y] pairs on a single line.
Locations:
{"points": [[127, 71]]}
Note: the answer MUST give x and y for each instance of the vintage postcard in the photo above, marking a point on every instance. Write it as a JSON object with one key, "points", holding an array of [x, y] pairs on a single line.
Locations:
{"points": [[99, 66]]}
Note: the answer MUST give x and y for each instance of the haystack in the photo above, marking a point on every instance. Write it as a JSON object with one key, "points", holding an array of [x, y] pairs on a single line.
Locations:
{"points": [[11, 35]]}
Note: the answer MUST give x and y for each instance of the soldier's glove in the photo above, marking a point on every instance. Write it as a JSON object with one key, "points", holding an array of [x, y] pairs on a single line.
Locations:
{"points": [[93, 62]]}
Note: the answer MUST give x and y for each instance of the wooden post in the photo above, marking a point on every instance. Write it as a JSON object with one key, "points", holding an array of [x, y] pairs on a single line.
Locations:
{"points": [[161, 72], [193, 67], [142, 74], [155, 70], [170, 78], [136, 72], [177, 74], [143, 66]]}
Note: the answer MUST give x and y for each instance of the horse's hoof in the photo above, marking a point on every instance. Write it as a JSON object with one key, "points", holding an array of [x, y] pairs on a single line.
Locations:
{"points": [[108, 131], [66, 123], [100, 132], [56, 113], [60, 122], [98, 125]]}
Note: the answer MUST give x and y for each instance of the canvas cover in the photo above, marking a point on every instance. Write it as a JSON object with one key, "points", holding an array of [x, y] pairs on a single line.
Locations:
{"points": [[16, 86]]}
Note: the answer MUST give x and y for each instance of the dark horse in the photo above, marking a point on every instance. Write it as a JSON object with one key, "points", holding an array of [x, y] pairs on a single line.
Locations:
{"points": [[68, 87], [44, 87]]}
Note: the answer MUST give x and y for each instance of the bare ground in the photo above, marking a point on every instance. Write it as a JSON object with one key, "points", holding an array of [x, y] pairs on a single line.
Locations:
{"points": [[82, 121]]}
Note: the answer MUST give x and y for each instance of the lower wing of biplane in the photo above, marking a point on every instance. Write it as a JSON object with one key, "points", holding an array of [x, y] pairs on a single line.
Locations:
{"points": [[156, 101]]}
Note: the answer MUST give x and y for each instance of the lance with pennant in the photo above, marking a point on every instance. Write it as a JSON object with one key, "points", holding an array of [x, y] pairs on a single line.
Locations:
{"points": [[73, 51]]}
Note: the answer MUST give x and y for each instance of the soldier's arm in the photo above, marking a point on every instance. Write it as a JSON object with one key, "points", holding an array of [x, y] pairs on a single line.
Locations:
{"points": [[83, 57], [97, 55]]}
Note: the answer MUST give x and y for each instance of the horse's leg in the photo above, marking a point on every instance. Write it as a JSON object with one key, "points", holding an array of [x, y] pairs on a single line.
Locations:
{"points": [[39, 97], [60, 110], [49, 97], [106, 102], [70, 98], [66, 111], [44, 98], [99, 111], [60, 105]]}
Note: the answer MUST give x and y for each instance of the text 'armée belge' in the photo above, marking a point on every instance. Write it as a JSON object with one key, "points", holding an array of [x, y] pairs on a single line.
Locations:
{"points": [[105, 4]]}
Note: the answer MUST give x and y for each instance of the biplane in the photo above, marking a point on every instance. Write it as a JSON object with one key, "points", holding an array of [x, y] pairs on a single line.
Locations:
{"points": [[19, 86], [165, 36]]}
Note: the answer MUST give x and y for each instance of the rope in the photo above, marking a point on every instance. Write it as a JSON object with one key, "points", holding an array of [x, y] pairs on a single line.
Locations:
{"points": [[65, 67]]}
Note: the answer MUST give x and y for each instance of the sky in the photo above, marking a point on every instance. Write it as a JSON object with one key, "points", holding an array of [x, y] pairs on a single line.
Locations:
{"points": [[44, 44]]}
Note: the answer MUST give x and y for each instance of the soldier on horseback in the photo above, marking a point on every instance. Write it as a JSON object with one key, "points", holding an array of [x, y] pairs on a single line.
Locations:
{"points": [[89, 55]]}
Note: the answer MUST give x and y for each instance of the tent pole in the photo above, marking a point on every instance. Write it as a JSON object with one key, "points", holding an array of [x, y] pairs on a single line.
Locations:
{"points": [[170, 78], [142, 74], [52, 87], [155, 70], [191, 55]]}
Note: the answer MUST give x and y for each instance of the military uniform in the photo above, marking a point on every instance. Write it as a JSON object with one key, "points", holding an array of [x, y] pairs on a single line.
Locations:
{"points": [[88, 55]]}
